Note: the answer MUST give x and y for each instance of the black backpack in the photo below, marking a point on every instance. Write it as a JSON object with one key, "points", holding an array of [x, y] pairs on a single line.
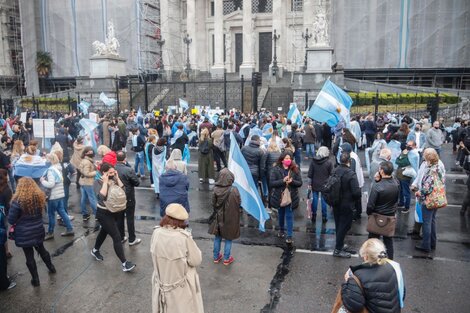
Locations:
{"points": [[331, 190], [295, 139], [204, 147]]}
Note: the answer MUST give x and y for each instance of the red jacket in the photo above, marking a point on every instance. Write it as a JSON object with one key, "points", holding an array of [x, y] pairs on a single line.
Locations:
{"points": [[110, 158]]}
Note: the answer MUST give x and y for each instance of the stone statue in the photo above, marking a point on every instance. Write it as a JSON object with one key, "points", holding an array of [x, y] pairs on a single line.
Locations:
{"points": [[320, 28], [110, 46], [228, 46]]}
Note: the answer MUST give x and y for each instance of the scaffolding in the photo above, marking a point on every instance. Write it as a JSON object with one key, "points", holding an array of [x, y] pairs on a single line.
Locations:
{"points": [[149, 36], [12, 25]]}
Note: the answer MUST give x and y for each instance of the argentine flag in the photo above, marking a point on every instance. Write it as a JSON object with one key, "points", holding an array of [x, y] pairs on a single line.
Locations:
{"points": [[251, 201], [10, 132], [331, 106], [268, 131], [88, 127], [83, 105], [109, 102], [139, 114], [294, 114], [254, 131], [184, 104]]}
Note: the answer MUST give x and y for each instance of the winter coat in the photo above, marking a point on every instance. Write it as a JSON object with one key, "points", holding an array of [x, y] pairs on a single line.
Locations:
{"points": [[5, 198], [178, 159], [383, 197], [271, 161], [88, 172], [175, 282], [310, 136], [110, 157], [29, 231], [256, 159], [319, 171], [276, 182], [174, 187], [63, 140], [55, 182], [77, 154], [23, 136], [118, 142], [226, 203], [106, 136], [206, 163], [380, 287], [370, 128], [434, 138], [129, 179], [350, 190]]}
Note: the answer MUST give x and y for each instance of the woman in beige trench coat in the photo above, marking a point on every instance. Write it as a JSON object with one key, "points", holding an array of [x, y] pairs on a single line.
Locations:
{"points": [[175, 255]]}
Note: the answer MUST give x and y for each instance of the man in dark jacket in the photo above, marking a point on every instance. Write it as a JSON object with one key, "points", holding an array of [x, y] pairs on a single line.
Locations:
{"points": [[19, 133], [296, 139], [309, 139], [117, 141], [63, 139], [255, 157], [174, 187], [344, 211], [129, 180], [383, 200]]}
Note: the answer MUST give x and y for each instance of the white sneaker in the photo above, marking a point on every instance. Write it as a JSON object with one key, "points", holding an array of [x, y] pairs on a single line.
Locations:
{"points": [[71, 217], [135, 242], [211, 181], [201, 180], [152, 185], [124, 240]]}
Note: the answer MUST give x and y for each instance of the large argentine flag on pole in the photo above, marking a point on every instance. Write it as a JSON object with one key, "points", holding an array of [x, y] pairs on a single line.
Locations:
{"points": [[294, 114], [251, 201], [331, 106]]}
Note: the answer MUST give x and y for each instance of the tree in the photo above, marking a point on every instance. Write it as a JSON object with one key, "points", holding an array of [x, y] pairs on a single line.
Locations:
{"points": [[43, 63]]}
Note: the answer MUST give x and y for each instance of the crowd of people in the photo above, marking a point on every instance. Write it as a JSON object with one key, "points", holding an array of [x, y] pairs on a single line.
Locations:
{"points": [[401, 159]]}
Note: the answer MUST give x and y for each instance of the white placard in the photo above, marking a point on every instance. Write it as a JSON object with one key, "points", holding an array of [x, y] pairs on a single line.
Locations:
{"points": [[279, 108], [23, 116], [93, 117], [43, 128]]}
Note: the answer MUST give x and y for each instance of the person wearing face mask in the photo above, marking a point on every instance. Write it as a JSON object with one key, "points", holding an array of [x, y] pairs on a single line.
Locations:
{"points": [[87, 178], [285, 176], [434, 137], [418, 136]]}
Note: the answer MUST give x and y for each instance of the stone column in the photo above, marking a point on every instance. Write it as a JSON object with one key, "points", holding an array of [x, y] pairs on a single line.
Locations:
{"points": [[192, 31], [218, 69], [280, 8], [171, 25], [248, 65]]}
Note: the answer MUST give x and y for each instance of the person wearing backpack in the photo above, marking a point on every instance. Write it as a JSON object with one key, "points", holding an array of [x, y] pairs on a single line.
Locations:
{"points": [[138, 145], [206, 159], [219, 146], [54, 181], [343, 210], [296, 139], [285, 181], [111, 202]]}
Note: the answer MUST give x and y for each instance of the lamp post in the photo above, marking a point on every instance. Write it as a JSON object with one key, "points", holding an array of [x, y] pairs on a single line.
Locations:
{"points": [[161, 43], [187, 41], [275, 68], [306, 36]]}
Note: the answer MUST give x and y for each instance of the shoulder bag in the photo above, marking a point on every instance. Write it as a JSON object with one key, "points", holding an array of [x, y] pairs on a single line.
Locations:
{"points": [[286, 198], [381, 224], [437, 198], [338, 305]]}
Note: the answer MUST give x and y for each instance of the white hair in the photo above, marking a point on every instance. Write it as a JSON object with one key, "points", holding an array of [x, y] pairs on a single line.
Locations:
{"points": [[323, 152], [374, 249]]}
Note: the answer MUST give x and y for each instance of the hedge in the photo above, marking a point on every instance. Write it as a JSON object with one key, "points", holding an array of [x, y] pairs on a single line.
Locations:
{"points": [[47, 104], [368, 98]]}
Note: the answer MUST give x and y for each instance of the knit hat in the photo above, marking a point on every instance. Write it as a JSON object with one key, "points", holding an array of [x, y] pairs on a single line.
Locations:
{"points": [[177, 211]]}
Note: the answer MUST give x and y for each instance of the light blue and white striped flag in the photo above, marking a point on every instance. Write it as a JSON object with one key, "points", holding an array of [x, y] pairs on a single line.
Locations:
{"points": [[107, 101], [184, 104], [10, 132], [83, 105], [253, 131], [268, 131], [331, 106], [88, 127], [251, 200], [294, 114], [139, 114]]}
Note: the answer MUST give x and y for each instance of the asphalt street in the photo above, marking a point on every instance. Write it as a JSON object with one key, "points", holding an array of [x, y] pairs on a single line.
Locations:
{"points": [[267, 276]]}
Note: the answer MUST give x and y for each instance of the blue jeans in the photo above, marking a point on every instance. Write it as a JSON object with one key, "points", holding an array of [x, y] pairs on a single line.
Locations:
{"points": [[287, 214], [429, 228], [87, 193], [139, 162], [227, 247], [316, 195], [310, 150], [52, 207], [405, 194], [297, 157]]}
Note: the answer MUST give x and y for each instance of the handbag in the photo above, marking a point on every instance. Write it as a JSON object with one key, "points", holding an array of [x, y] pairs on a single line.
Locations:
{"points": [[286, 198], [409, 171], [437, 198], [381, 224], [338, 306], [11, 232]]}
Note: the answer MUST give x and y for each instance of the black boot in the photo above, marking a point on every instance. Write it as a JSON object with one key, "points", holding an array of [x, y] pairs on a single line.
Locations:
{"points": [[313, 218], [46, 257], [34, 273]]}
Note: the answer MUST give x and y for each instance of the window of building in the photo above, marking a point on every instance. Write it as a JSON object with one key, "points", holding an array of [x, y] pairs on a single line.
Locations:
{"points": [[184, 11], [262, 6], [232, 6], [296, 5], [212, 8]]}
